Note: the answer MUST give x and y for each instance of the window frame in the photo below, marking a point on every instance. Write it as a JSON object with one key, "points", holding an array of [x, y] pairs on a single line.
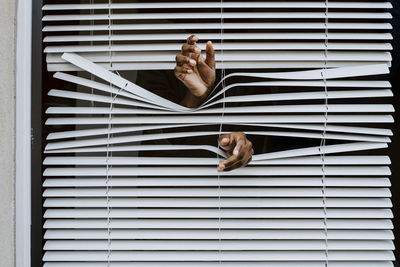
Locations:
{"points": [[36, 115], [28, 139], [23, 133], [29, 144]]}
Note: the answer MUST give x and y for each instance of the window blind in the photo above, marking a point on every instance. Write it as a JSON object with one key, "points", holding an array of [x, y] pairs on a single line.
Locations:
{"points": [[315, 70]]}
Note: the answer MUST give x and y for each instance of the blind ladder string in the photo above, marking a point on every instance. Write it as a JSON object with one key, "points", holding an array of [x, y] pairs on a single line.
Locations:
{"points": [[92, 103], [323, 138], [109, 136], [220, 128]]}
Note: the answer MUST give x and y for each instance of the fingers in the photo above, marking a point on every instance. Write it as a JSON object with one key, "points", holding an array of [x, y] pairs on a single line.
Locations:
{"points": [[242, 152], [238, 148], [231, 166], [210, 55], [241, 161], [181, 59], [226, 142], [183, 69], [236, 161], [236, 158], [192, 39], [191, 51], [187, 48], [184, 66]]}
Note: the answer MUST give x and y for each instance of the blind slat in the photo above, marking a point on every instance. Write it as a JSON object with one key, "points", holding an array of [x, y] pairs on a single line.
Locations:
{"points": [[269, 4], [225, 224]]}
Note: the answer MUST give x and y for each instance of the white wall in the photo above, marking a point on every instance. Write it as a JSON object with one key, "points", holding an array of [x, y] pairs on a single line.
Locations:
{"points": [[7, 133]]}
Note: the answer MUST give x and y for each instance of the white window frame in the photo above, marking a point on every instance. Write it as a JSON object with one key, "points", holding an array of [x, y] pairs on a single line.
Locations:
{"points": [[23, 134]]}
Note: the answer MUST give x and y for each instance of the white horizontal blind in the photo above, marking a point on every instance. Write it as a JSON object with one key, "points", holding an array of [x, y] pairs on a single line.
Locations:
{"points": [[147, 35], [319, 205]]}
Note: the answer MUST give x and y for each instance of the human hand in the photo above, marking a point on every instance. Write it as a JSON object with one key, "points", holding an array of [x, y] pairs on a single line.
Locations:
{"points": [[238, 148], [196, 72]]}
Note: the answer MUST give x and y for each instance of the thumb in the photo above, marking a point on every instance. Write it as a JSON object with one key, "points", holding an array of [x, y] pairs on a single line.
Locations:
{"points": [[226, 142], [210, 55]]}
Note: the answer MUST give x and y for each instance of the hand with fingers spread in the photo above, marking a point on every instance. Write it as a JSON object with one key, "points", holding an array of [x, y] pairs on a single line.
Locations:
{"points": [[238, 148], [196, 72]]}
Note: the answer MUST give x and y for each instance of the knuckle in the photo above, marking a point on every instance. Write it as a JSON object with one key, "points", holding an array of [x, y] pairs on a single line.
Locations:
{"points": [[240, 135], [221, 137], [180, 75], [178, 57], [186, 48]]}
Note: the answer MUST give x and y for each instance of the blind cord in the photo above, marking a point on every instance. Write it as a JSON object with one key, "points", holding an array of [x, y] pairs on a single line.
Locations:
{"points": [[108, 152], [323, 138], [92, 103], [220, 129], [110, 135]]}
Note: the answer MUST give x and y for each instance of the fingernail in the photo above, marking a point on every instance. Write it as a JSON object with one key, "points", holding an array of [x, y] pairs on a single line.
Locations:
{"points": [[192, 62], [225, 140], [235, 152], [189, 71]]}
